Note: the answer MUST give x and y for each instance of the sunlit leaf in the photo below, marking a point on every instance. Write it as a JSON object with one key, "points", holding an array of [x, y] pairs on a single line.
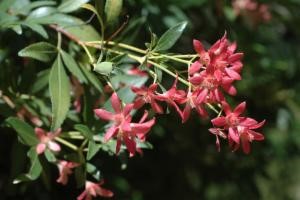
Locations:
{"points": [[41, 51], [170, 37]]}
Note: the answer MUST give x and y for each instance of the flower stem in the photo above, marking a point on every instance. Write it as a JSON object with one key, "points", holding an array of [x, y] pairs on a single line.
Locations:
{"points": [[66, 143]]}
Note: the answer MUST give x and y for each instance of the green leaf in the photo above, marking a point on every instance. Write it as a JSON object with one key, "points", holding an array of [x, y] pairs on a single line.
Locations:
{"points": [[50, 156], [17, 28], [56, 18], [41, 51], [92, 170], [59, 92], [24, 130], [72, 66], [93, 79], [41, 12], [94, 10], [85, 131], [83, 32], [37, 28], [104, 68], [170, 37], [93, 148], [35, 168], [41, 82], [71, 5], [112, 10]]}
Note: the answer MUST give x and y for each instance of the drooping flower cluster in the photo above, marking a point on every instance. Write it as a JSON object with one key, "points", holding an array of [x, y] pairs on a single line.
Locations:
{"points": [[122, 128], [209, 77], [240, 130]]}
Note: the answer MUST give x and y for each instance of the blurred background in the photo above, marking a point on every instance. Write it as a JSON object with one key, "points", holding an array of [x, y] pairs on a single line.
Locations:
{"points": [[184, 163]]}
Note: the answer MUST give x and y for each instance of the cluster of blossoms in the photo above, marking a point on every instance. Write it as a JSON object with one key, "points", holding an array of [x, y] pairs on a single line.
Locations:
{"points": [[209, 78], [252, 10], [212, 74]]}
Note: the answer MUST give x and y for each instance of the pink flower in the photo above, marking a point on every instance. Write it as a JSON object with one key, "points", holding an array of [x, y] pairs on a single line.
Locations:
{"points": [[93, 190], [47, 140], [192, 100], [240, 129], [147, 95], [137, 72], [172, 97], [65, 169], [217, 68], [123, 129]]}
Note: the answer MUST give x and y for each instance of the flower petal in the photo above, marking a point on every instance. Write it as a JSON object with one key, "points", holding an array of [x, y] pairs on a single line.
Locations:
{"points": [[234, 136], [115, 102], [40, 148], [240, 108], [219, 121], [103, 114], [53, 146], [112, 131]]}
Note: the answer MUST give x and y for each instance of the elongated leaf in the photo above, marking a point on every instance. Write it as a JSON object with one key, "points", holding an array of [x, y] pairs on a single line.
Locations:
{"points": [[60, 93], [93, 149], [56, 18], [37, 28], [41, 82], [83, 32], [35, 168], [71, 5], [84, 130], [112, 10], [24, 130], [72, 66], [170, 37], [41, 12], [41, 51], [50, 156]]}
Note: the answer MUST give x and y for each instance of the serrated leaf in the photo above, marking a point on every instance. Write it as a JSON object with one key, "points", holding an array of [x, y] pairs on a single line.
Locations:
{"points": [[93, 148], [93, 79], [59, 87], [112, 10], [24, 130], [35, 168], [71, 5], [41, 51], [37, 28], [104, 68], [72, 66], [85, 131], [170, 37]]}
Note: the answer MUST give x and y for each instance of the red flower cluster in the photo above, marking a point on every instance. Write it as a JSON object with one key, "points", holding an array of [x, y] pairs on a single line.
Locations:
{"points": [[122, 128], [240, 129], [215, 71]]}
